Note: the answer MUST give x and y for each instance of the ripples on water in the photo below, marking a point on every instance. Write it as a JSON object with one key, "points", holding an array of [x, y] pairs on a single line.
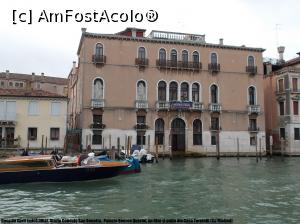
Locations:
{"points": [[247, 192]]}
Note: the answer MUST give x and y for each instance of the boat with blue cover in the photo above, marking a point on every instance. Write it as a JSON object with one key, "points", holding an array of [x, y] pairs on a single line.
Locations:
{"points": [[133, 164], [46, 169]]}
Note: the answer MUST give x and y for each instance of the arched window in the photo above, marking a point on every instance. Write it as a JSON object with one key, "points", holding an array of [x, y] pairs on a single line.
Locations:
{"points": [[214, 94], [162, 91], [184, 91], [162, 54], [173, 91], [195, 57], [98, 89], [141, 90], [99, 50], [197, 132], [252, 95], [250, 61], [195, 92], [213, 58], [185, 56], [142, 53], [173, 55], [159, 131]]}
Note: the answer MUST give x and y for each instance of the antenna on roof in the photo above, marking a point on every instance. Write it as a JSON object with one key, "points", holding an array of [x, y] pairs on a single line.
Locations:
{"points": [[277, 28]]}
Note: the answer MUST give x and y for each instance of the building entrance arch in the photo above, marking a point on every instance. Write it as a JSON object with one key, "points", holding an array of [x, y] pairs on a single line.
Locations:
{"points": [[178, 134]]}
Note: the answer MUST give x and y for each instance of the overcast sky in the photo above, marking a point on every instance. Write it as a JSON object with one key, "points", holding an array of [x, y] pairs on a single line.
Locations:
{"points": [[51, 47]]}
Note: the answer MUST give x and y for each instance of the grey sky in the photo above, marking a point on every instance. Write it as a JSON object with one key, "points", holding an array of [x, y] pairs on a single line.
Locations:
{"points": [[51, 47]]}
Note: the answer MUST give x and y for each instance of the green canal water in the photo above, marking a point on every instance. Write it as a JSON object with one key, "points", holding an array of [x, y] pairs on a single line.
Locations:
{"points": [[242, 190]]}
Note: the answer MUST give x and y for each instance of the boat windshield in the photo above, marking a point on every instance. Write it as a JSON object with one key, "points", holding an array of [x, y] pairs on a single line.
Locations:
{"points": [[91, 160]]}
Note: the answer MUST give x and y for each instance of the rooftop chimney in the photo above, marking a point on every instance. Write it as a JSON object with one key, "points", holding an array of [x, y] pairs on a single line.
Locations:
{"points": [[42, 74], [7, 74], [74, 67], [298, 54], [281, 51], [32, 77], [83, 29], [221, 41]]}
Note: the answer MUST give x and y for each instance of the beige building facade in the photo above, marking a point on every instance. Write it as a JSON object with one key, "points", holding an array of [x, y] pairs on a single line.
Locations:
{"points": [[173, 90], [32, 119]]}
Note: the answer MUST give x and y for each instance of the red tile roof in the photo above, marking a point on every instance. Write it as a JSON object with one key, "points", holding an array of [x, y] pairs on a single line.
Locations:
{"points": [[29, 93]]}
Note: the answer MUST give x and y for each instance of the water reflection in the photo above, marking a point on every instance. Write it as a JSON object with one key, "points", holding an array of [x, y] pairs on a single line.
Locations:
{"points": [[248, 192]]}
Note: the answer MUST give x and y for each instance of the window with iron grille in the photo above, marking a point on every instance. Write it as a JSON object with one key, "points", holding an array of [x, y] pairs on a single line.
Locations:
{"points": [[296, 107], [213, 139], [54, 133], [141, 140], [281, 108], [295, 84], [197, 132], [282, 133], [159, 131], [32, 134], [297, 133], [97, 139]]}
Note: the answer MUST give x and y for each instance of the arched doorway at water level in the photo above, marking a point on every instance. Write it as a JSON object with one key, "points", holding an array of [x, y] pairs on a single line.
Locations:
{"points": [[178, 135]]}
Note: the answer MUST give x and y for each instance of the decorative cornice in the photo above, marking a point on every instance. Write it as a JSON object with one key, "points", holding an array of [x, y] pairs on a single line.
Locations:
{"points": [[163, 41]]}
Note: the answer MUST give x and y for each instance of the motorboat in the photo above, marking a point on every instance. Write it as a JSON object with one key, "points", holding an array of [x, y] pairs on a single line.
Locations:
{"points": [[133, 163], [45, 168], [143, 156]]}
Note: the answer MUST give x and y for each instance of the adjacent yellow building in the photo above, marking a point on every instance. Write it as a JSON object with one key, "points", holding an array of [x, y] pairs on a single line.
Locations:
{"points": [[32, 118]]}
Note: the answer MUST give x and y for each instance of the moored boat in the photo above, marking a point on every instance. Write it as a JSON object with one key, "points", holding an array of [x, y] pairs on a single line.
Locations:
{"points": [[133, 164], [45, 169]]}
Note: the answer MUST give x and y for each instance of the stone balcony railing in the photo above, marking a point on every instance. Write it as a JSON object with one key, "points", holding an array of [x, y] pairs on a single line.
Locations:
{"points": [[162, 105], [214, 107], [97, 125], [97, 103], [197, 106], [253, 129], [141, 104], [253, 109], [141, 127]]}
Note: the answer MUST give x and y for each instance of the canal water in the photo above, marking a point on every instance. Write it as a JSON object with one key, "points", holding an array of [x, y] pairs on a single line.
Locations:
{"points": [[242, 190]]}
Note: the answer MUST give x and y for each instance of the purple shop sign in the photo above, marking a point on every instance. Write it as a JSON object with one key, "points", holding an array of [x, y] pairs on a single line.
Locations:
{"points": [[181, 105]]}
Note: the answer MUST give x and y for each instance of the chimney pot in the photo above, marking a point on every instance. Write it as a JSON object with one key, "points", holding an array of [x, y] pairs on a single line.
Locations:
{"points": [[42, 74], [281, 51], [221, 41], [83, 29]]}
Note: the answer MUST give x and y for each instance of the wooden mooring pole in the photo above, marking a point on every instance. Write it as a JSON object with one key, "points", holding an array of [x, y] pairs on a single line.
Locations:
{"points": [[238, 148], [170, 145], [218, 145], [156, 149], [281, 148], [256, 155], [271, 145], [260, 149]]}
